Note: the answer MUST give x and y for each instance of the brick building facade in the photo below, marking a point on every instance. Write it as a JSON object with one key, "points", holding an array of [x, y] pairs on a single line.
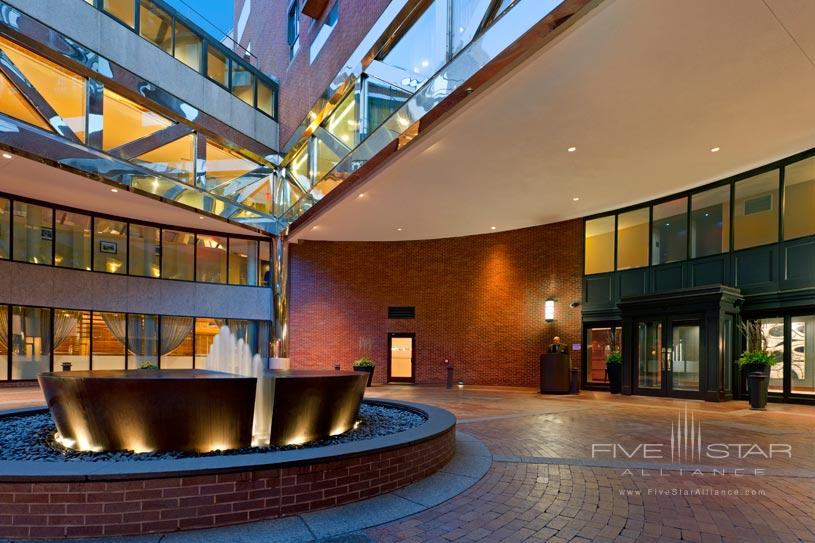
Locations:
{"points": [[479, 302], [302, 82]]}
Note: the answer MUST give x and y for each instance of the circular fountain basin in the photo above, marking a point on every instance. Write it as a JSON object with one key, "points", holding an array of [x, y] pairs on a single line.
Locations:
{"points": [[150, 410]]}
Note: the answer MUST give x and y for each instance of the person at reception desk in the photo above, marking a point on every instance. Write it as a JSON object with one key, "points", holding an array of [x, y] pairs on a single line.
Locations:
{"points": [[557, 346]]}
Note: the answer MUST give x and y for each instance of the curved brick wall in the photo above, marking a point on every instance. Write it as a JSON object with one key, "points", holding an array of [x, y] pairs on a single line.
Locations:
{"points": [[479, 302], [91, 506]]}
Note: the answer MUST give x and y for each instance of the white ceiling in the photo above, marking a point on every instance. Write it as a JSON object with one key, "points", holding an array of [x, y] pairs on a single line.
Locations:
{"points": [[643, 88], [28, 178]]}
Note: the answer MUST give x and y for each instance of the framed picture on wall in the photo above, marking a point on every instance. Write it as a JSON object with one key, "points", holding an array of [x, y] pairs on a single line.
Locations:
{"points": [[108, 247], [46, 234]]}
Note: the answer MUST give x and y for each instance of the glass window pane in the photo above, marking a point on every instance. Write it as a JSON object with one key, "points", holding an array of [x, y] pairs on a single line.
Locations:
{"points": [[422, 50], [125, 121], [5, 229], [176, 342], [600, 245], [144, 258], [298, 167], [755, 211], [600, 343], [210, 257], [124, 10], [177, 255], [72, 339], [33, 236], [768, 335], [326, 159], [217, 66], [803, 355], [205, 332], [175, 159], [243, 83], [108, 334], [223, 165], [188, 46], [4, 342], [669, 232], [243, 261], [266, 98], [142, 342], [110, 250], [632, 239], [73, 248], [342, 123], [14, 105], [30, 341], [710, 222], [63, 90], [799, 194], [467, 16], [156, 25], [383, 101], [265, 278]]}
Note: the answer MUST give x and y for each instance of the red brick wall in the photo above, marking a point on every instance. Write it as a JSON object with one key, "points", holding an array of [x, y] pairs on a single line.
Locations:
{"points": [[479, 302], [126, 507], [301, 83]]}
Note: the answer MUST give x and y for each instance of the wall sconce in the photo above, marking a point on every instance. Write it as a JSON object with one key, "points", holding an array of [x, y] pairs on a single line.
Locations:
{"points": [[549, 310]]}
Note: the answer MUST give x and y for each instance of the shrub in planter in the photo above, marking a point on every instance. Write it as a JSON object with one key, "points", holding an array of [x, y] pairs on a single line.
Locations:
{"points": [[757, 361], [614, 368], [365, 364]]}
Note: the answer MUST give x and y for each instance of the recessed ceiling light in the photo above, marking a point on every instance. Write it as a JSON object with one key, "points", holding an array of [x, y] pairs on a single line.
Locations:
{"points": [[492, 228], [399, 229], [315, 227], [714, 150], [114, 190], [361, 195], [6, 155], [572, 149], [201, 217], [576, 198]]}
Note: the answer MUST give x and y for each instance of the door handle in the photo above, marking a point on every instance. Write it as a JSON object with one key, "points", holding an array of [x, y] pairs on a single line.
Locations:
{"points": [[669, 359]]}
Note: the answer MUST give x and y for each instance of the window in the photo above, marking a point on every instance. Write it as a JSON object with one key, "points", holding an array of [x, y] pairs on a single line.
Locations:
{"points": [[599, 245], [383, 101], [600, 342], [293, 27], [110, 251], [467, 16], [142, 341], [266, 98], [210, 259], [13, 103], [632, 239], [422, 50], [325, 31], [265, 278], [156, 25], [108, 336], [176, 347], [710, 222], [175, 159], [124, 10], [125, 121], [755, 211], [177, 255], [299, 168], [188, 46], [217, 66], [799, 194], [803, 355], [243, 83], [342, 123], [243, 261], [144, 258], [63, 90], [33, 236], [669, 232], [72, 339], [73, 240], [30, 341], [205, 332], [5, 229], [224, 165]]}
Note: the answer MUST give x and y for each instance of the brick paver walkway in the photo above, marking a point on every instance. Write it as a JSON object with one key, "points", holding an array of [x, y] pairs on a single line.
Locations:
{"points": [[577, 469]]}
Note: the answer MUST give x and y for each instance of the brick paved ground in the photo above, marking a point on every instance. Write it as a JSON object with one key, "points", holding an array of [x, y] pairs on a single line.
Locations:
{"points": [[545, 485]]}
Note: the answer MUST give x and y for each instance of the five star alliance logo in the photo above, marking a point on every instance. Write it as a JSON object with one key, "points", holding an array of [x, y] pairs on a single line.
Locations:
{"points": [[686, 440]]}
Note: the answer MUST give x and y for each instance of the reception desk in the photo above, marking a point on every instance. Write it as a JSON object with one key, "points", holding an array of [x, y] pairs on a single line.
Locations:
{"points": [[555, 373]]}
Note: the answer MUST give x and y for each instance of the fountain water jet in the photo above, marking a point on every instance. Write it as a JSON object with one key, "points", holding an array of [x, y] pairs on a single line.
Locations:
{"points": [[232, 355]]}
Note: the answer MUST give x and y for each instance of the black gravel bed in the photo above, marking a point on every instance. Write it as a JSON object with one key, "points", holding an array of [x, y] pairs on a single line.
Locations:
{"points": [[31, 437]]}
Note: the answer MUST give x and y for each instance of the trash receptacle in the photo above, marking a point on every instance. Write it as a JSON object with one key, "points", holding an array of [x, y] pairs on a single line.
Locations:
{"points": [[758, 390], [574, 387], [66, 366]]}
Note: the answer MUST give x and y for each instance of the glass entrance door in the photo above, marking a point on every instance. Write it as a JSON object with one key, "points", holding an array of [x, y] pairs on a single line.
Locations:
{"points": [[668, 357]]}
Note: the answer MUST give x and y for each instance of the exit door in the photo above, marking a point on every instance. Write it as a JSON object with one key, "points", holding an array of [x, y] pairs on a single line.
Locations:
{"points": [[668, 357], [401, 357]]}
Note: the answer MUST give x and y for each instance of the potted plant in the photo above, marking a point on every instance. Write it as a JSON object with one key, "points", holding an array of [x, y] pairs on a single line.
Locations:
{"points": [[365, 364], [757, 362], [614, 368], [148, 366]]}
